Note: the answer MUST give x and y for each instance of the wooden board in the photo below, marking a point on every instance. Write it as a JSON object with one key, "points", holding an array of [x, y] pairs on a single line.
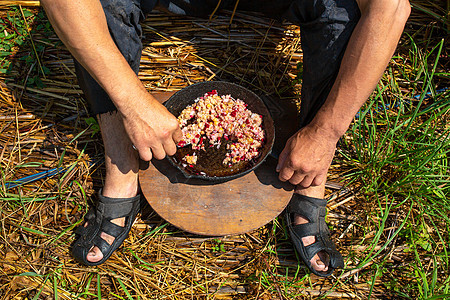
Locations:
{"points": [[214, 209], [209, 208]]}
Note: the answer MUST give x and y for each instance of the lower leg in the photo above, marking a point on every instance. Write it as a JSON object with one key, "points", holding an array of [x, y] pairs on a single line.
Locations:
{"points": [[122, 165], [121, 160]]}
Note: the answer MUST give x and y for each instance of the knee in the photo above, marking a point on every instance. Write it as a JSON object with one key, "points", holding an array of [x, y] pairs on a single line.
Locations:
{"points": [[122, 14], [120, 8], [123, 17]]}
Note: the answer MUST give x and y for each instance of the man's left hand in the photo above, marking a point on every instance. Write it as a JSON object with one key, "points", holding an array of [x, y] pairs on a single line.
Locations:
{"points": [[307, 157]]}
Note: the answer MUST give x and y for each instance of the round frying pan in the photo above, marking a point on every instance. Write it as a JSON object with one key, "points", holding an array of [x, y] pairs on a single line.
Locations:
{"points": [[209, 164]]}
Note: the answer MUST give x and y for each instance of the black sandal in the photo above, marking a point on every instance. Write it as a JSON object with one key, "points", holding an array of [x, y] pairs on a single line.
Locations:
{"points": [[99, 220], [313, 209]]}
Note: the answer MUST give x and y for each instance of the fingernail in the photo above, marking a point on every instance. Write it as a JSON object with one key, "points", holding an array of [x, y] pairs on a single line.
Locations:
{"points": [[277, 168]]}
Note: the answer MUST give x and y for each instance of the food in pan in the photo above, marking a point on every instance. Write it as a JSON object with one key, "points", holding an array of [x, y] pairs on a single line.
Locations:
{"points": [[213, 120]]}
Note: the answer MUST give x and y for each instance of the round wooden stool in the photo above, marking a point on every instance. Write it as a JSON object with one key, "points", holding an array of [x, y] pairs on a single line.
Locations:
{"points": [[214, 209]]}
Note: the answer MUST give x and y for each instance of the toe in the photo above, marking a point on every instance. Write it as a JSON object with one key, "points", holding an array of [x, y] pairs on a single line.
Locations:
{"points": [[94, 255], [324, 258], [318, 264]]}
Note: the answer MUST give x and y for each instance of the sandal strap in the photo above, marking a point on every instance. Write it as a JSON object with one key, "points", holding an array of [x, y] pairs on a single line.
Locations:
{"points": [[89, 217], [321, 243], [316, 247], [336, 259], [101, 244], [307, 229], [80, 230], [110, 228], [308, 207], [113, 208]]}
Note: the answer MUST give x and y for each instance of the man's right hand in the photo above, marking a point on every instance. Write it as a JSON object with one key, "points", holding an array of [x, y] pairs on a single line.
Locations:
{"points": [[153, 130], [82, 26]]}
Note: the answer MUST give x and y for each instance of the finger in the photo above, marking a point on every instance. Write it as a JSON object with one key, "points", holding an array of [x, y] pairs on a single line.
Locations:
{"points": [[296, 178], [285, 174], [319, 180], [177, 135], [170, 148], [145, 154], [158, 151], [306, 182], [282, 159]]}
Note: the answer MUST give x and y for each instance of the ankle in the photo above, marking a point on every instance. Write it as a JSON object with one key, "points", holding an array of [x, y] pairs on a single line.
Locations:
{"points": [[312, 191], [120, 189]]}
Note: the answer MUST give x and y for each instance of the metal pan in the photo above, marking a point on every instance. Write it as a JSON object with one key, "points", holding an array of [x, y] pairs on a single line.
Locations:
{"points": [[209, 164]]}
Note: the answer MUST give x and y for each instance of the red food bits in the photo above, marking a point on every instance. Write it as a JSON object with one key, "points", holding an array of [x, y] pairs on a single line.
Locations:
{"points": [[216, 118]]}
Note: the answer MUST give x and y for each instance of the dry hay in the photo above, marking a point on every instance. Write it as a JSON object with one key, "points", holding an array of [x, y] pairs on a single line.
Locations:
{"points": [[44, 128]]}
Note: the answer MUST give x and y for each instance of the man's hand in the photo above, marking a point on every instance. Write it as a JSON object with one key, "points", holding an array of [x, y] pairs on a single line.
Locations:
{"points": [[307, 156], [153, 130], [82, 27]]}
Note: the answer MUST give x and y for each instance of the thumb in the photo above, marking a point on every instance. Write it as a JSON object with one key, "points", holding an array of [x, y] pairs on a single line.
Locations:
{"points": [[282, 159]]}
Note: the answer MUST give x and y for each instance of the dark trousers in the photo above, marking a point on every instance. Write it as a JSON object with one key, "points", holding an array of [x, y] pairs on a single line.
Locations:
{"points": [[325, 26]]}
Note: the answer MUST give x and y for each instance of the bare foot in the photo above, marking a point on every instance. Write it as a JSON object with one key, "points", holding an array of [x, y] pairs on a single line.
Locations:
{"points": [[321, 260], [95, 254]]}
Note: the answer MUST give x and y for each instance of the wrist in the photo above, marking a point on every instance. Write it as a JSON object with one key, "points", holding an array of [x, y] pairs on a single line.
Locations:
{"points": [[327, 129], [333, 120], [126, 94]]}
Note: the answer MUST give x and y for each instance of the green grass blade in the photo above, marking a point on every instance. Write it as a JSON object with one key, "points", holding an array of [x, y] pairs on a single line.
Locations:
{"points": [[124, 288]]}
